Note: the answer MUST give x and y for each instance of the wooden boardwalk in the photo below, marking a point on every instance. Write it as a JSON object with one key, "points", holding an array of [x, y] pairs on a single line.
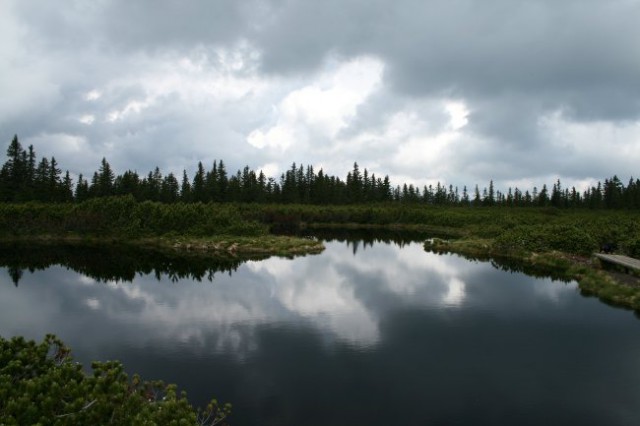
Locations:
{"points": [[616, 259]]}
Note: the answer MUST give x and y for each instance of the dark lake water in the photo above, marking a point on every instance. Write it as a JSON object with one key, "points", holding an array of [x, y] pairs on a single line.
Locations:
{"points": [[382, 334]]}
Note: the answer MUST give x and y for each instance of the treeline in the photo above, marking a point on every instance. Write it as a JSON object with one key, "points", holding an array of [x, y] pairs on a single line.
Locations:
{"points": [[23, 178]]}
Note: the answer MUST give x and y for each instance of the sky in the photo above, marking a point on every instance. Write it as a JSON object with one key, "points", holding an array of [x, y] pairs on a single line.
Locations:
{"points": [[459, 92]]}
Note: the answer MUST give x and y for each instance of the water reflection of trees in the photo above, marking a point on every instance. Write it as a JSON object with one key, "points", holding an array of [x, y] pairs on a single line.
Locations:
{"points": [[363, 238], [512, 265], [115, 262], [538, 271]]}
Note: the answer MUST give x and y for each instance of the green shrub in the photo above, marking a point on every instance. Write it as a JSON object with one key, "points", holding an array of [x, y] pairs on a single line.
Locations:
{"points": [[633, 248], [40, 384], [541, 238]]}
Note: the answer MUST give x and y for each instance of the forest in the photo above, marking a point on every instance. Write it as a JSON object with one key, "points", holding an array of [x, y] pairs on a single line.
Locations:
{"points": [[25, 178]]}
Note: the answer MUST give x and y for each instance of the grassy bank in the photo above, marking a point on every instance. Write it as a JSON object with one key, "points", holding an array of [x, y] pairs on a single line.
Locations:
{"points": [[609, 285], [205, 229]]}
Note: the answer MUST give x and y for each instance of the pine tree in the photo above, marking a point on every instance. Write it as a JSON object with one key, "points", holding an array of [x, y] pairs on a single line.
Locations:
{"points": [[41, 181], [476, 197], [53, 182], [67, 188], [14, 173], [556, 194], [105, 179], [82, 189], [543, 196], [211, 183], [465, 196], [490, 197], [128, 183], [169, 189], [223, 183], [185, 188], [612, 196], [197, 188]]}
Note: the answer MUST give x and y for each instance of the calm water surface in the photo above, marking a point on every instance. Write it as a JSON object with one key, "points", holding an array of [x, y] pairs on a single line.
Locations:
{"points": [[373, 335]]}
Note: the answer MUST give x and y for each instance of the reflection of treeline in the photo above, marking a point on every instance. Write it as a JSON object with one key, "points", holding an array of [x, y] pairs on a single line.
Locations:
{"points": [[367, 237], [23, 178], [113, 263], [516, 265]]}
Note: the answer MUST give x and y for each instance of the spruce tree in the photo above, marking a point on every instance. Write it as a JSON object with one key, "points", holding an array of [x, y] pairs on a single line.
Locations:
{"points": [[105, 179], [197, 188], [185, 188]]}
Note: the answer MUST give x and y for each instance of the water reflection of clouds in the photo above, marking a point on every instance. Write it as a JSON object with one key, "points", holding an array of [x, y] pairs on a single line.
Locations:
{"points": [[343, 296], [388, 326], [554, 293], [314, 288]]}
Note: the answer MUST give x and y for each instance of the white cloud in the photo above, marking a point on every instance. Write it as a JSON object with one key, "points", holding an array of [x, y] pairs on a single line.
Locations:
{"points": [[93, 95], [602, 145], [279, 137], [87, 119], [321, 108], [459, 115], [64, 144], [93, 303]]}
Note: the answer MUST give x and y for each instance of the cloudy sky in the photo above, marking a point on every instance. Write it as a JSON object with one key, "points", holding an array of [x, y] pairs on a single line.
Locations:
{"points": [[456, 91]]}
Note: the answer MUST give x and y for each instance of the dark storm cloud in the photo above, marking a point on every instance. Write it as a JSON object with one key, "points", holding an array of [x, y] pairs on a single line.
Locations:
{"points": [[512, 62], [518, 67], [568, 54], [138, 25]]}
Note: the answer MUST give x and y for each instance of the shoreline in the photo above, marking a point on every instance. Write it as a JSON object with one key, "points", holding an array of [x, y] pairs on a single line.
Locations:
{"points": [[609, 286], [618, 289], [219, 245]]}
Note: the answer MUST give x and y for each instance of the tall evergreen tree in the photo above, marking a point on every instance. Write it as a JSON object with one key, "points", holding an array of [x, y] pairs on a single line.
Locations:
{"points": [[14, 172], [128, 183], [104, 180], [223, 182], [476, 197], [185, 188], [169, 189], [67, 188], [82, 189], [197, 188]]}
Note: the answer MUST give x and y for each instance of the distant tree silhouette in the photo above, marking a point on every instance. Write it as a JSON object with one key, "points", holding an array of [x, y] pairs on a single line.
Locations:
{"points": [[23, 178]]}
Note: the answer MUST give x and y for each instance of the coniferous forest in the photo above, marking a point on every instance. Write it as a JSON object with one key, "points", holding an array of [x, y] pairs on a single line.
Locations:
{"points": [[25, 178]]}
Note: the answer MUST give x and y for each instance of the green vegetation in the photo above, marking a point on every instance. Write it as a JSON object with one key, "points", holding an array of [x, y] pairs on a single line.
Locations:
{"points": [[556, 242], [123, 217], [222, 229], [40, 384]]}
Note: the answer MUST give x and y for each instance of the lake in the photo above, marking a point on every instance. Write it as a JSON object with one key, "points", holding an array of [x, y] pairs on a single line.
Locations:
{"points": [[374, 333]]}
